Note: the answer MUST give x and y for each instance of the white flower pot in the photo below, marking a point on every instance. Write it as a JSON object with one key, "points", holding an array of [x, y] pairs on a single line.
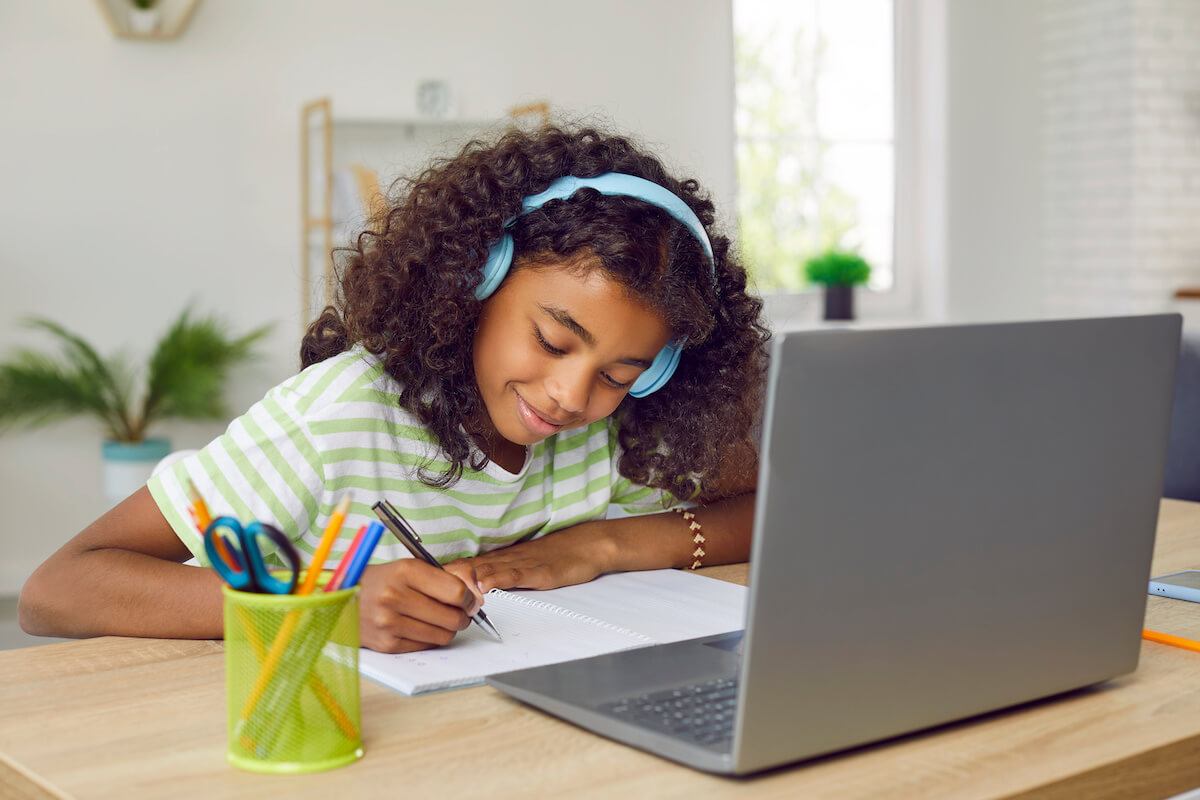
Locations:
{"points": [[127, 467], [144, 20]]}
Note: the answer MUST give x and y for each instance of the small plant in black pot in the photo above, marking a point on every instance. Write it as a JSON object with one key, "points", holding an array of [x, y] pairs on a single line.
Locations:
{"points": [[839, 271]]}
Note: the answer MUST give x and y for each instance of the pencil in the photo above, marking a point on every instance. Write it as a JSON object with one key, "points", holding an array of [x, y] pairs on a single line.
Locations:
{"points": [[327, 539], [335, 581], [363, 554], [203, 519], [1174, 641]]}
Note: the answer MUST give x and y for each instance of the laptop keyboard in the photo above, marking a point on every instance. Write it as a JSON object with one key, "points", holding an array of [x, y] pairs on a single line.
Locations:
{"points": [[701, 713]]}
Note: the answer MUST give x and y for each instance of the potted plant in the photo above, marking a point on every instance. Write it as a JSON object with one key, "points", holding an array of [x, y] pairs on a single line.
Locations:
{"points": [[183, 379], [839, 271]]}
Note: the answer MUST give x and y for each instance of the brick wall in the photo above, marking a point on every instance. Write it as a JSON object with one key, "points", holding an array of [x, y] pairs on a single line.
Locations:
{"points": [[1121, 145]]}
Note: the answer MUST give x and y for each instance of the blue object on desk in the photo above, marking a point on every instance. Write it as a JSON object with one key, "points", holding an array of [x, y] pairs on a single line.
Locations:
{"points": [[245, 569]]}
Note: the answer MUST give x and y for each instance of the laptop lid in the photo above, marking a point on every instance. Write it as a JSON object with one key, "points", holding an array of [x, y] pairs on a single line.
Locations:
{"points": [[949, 520]]}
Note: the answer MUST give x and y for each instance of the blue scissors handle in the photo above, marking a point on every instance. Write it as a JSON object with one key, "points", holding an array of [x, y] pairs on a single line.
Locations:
{"points": [[244, 569]]}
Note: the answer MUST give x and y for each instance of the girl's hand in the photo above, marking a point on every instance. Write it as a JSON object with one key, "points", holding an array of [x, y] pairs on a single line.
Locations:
{"points": [[564, 558], [409, 605]]}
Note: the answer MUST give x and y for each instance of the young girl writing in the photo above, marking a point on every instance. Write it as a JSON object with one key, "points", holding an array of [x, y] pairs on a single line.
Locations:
{"points": [[541, 331]]}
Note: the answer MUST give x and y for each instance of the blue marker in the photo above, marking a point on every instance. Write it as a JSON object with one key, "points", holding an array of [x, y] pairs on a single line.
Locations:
{"points": [[362, 555]]}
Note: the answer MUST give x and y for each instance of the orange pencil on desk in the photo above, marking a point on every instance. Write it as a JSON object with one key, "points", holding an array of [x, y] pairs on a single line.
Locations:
{"points": [[1174, 641]]}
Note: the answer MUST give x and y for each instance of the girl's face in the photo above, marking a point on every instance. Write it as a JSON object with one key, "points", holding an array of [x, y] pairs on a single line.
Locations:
{"points": [[559, 348]]}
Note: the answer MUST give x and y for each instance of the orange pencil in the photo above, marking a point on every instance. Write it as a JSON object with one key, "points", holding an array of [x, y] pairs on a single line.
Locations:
{"points": [[203, 519], [1174, 641], [327, 539]]}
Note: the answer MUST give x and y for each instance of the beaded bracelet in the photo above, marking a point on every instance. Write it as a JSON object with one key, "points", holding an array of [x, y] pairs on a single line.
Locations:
{"points": [[690, 518]]}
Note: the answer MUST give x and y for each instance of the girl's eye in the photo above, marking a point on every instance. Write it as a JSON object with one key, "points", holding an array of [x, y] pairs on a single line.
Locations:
{"points": [[555, 351], [549, 348], [615, 383]]}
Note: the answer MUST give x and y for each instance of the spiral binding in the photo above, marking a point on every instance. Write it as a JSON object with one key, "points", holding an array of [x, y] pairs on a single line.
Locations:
{"points": [[542, 605]]}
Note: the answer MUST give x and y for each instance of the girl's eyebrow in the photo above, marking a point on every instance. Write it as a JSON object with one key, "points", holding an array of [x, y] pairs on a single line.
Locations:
{"points": [[562, 317]]}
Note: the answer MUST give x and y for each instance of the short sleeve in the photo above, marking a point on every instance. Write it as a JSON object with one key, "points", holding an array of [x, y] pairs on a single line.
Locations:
{"points": [[264, 467]]}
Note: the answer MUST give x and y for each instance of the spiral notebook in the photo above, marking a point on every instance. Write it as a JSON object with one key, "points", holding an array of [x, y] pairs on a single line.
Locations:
{"points": [[614, 612]]}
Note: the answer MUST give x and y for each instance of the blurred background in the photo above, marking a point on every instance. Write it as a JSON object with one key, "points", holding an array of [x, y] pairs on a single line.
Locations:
{"points": [[990, 160]]}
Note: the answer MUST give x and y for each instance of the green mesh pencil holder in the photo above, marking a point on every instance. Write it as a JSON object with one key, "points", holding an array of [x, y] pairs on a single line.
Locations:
{"points": [[291, 680]]}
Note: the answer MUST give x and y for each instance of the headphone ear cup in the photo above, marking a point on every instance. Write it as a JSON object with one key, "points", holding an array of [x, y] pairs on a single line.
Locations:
{"points": [[500, 257], [660, 371]]}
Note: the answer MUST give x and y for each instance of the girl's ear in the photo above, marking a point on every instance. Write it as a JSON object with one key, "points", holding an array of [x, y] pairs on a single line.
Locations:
{"points": [[500, 257], [660, 371]]}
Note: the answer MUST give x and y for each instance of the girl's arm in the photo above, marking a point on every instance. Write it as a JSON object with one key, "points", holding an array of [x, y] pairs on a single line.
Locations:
{"points": [[651, 541], [123, 575]]}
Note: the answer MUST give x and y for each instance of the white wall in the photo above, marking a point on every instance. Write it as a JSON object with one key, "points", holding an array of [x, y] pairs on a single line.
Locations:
{"points": [[1123, 153], [994, 163], [137, 176], [1074, 157]]}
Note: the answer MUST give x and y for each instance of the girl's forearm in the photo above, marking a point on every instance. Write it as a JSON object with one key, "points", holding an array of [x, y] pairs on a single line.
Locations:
{"points": [[657, 541], [111, 591]]}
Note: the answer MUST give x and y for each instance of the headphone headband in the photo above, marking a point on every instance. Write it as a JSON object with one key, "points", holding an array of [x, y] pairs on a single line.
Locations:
{"points": [[500, 255]]}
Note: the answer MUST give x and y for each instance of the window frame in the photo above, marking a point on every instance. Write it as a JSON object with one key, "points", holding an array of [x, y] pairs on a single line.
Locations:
{"points": [[918, 290]]}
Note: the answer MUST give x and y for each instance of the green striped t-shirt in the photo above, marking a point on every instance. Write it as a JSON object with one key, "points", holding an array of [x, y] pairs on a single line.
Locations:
{"points": [[336, 428]]}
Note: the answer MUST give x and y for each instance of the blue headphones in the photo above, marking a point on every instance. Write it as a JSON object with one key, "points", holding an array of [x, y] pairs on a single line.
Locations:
{"points": [[612, 183]]}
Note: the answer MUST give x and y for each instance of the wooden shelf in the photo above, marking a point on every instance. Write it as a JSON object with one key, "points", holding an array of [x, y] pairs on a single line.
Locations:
{"points": [[376, 148], [173, 18]]}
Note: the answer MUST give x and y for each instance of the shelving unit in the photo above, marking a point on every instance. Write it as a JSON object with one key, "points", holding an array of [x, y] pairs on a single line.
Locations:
{"points": [[356, 157]]}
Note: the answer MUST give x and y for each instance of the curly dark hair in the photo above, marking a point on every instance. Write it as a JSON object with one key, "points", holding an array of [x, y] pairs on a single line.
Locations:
{"points": [[407, 294]]}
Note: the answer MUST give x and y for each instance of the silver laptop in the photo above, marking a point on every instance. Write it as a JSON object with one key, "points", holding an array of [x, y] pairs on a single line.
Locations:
{"points": [[949, 520]]}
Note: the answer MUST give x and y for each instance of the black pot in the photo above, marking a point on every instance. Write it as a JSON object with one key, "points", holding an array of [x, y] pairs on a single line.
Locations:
{"points": [[839, 302]]}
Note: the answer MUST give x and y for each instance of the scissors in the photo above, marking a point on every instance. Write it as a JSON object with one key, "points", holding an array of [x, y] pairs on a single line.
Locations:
{"points": [[243, 568]]}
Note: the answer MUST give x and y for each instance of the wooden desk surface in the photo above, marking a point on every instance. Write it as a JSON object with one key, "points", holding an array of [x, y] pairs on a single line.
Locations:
{"points": [[145, 718]]}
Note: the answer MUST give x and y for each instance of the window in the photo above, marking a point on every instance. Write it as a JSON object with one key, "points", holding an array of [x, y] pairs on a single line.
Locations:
{"points": [[819, 139]]}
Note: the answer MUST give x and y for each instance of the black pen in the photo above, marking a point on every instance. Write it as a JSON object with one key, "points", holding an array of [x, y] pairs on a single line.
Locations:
{"points": [[395, 523]]}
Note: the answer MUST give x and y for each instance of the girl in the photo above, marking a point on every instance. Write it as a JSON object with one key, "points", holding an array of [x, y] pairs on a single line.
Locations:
{"points": [[538, 351]]}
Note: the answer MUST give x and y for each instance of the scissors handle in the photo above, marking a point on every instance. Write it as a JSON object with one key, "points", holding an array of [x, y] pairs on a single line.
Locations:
{"points": [[286, 551], [244, 569], [228, 560]]}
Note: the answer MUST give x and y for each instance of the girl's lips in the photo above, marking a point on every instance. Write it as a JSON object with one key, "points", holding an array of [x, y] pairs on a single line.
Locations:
{"points": [[534, 421]]}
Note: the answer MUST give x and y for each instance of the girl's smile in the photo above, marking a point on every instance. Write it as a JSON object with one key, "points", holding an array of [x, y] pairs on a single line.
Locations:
{"points": [[557, 347], [539, 423]]}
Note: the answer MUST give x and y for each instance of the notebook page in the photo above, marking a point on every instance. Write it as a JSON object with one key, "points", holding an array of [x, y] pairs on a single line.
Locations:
{"points": [[668, 605], [535, 633]]}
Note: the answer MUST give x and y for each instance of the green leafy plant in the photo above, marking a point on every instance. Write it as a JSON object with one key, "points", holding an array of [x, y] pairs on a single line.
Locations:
{"points": [[183, 379], [837, 268], [144, 5]]}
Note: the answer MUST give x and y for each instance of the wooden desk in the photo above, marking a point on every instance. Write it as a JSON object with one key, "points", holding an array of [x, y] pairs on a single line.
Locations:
{"points": [[145, 718]]}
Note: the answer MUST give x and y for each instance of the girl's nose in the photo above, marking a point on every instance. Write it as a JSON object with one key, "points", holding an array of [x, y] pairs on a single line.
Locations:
{"points": [[569, 389]]}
